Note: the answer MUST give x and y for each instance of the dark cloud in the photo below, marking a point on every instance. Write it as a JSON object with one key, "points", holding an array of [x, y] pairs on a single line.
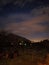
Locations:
{"points": [[24, 3], [40, 11], [36, 7], [19, 2]]}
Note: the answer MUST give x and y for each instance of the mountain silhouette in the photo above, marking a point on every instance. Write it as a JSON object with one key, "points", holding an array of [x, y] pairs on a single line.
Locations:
{"points": [[12, 40]]}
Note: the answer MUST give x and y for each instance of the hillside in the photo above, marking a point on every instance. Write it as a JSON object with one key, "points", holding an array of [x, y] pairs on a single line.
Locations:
{"points": [[9, 38]]}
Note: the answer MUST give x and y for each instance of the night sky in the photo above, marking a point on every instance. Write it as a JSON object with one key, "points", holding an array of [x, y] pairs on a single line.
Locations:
{"points": [[27, 18]]}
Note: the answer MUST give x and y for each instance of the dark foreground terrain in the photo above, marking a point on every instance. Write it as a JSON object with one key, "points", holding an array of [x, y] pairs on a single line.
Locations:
{"points": [[16, 50]]}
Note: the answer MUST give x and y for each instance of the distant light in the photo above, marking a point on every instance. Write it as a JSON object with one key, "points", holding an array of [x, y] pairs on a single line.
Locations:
{"points": [[25, 44], [20, 43]]}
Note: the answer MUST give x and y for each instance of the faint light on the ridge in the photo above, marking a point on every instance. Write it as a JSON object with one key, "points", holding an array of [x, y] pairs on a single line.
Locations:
{"points": [[32, 41]]}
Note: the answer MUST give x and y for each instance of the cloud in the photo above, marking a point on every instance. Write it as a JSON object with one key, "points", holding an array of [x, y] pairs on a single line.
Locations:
{"points": [[22, 1], [14, 2], [30, 28], [42, 10], [21, 17], [14, 18]]}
